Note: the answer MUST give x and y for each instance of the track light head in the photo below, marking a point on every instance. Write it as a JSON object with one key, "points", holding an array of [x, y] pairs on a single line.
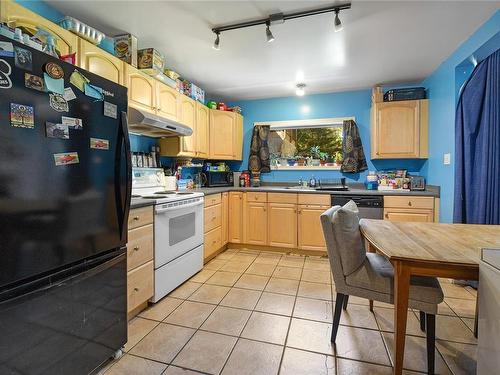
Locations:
{"points": [[216, 45], [337, 24], [301, 89], [269, 34]]}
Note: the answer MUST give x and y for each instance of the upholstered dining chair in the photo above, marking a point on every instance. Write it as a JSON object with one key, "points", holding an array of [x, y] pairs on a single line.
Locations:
{"points": [[371, 276]]}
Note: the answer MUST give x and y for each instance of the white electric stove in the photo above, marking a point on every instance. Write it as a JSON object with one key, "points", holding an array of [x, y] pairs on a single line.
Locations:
{"points": [[178, 229]]}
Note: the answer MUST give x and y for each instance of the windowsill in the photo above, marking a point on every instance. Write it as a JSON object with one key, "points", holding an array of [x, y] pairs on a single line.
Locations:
{"points": [[306, 168]]}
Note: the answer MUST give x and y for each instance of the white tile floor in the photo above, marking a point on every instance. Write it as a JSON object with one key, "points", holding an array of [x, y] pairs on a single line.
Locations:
{"points": [[251, 312]]}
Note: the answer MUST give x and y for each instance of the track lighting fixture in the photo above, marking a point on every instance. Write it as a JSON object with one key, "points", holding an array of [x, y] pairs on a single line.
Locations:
{"points": [[216, 45], [269, 34], [301, 89], [279, 18]]}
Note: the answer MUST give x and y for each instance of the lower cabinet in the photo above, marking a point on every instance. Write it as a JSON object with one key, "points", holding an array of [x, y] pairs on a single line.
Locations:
{"points": [[282, 224], [235, 225], [310, 232], [212, 225], [225, 216], [407, 208], [255, 223]]}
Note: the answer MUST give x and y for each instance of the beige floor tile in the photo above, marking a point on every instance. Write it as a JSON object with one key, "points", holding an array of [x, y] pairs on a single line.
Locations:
{"points": [[456, 291], [252, 358], [316, 276], [282, 272], [309, 335], [227, 320], [215, 264], [415, 357], [453, 329], [137, 329], [358, 316], [226, 255], [266, 327], [241, 298], [190, 314], [254, 282], [462, 307], [276, 303], [173, 370], [385, 319], [161, 309], [469, 322], [357, 300], [292, 261], [244, 258], [317, 265], [299, 362], [444, 309], [185, 290], [209, 294], [163, 343], [283, 286], [132, 365], [383, 304], [224, 278], [461, 358], [271, 259], [361, 344], [202, 276], [249, 251], [348, 367], [232, 266], [261, 269], [313, 309], [206, 352], [315, 290], [472, 291]]}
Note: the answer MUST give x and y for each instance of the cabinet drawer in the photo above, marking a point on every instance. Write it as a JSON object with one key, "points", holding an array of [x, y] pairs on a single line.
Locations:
{"points": [[213, 241], [140, 216], [139, 285], [213, 217], [256, 197], [140, 246], [315, 199], [409, 202], [409, 214], [212, 199], [282, 198]]}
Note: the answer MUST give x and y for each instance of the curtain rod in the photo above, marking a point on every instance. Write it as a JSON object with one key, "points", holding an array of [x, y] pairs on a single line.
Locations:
{"points": [[309, 123]]}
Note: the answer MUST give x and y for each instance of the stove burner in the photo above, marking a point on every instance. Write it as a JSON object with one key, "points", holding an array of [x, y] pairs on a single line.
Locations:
{"points": [[153, 196], [166, 192], [183, 193], [135, 196]]}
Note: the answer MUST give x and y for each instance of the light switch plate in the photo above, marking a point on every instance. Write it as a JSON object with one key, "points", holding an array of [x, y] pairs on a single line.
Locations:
{"points": [[447, 159]]}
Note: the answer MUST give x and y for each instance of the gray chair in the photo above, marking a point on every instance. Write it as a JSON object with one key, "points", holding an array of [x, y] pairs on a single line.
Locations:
{"points": [[371, 275]]}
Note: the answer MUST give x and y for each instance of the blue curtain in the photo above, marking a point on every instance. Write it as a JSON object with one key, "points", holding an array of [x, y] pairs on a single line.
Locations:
{"points": [[477, 146]]}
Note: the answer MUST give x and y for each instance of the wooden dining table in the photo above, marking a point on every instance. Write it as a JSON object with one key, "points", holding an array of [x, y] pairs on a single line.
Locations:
{"points": [[426, 249]]}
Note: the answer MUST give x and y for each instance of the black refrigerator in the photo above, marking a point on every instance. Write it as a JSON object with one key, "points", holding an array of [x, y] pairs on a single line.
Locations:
{"points": [[65, 183]]}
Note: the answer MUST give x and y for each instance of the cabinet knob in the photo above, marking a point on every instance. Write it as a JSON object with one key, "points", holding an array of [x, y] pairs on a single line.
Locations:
{"points": [[387, 216], [136, 218], [409, 203], [136, 248], [136, 289]]}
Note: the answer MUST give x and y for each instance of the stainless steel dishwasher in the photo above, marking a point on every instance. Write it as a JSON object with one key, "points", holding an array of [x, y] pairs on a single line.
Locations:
{"points": [[370, 206]]}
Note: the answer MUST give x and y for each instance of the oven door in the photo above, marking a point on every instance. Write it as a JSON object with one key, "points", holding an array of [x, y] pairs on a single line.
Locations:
{"points": [[178, 229]]}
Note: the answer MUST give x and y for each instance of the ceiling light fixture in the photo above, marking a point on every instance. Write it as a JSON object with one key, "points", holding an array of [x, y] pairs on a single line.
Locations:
{"points": [[279, 18], [269, 34], [301, 89], [216, 45]]}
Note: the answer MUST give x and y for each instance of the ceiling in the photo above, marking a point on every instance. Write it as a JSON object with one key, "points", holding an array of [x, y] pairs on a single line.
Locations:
{"points": [[382, 42]]}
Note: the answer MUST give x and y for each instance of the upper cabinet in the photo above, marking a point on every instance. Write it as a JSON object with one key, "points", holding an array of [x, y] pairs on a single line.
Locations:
{"points": [[400, 130], [100, 62], [226, 135], [202, 130], [167, 100], [188, 118], [141, 89]]}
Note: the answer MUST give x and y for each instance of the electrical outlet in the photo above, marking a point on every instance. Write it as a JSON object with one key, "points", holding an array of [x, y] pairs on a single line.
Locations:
{"points": [[447, 159]]}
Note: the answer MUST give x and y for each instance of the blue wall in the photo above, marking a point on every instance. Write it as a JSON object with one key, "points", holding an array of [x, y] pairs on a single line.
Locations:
{"points": [[343, 104], [443, 91]]}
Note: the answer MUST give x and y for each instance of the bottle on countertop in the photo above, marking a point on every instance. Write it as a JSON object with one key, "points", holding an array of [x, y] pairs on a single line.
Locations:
{"points": [[312, 182]]}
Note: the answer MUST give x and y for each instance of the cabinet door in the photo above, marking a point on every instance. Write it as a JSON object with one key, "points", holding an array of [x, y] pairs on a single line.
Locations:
{"points": [[282, 225], [395, 214], [397, 129], [310, 231], [222, 125], [98, 61], [225, 214], [141, 89], [238, 137], [235, 227], [255, 223], [202, 132], [17, 16], [188, 118], [167, 101]]}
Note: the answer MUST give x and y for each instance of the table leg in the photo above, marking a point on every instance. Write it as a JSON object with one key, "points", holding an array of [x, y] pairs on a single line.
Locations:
{"points": [[401, 294]]}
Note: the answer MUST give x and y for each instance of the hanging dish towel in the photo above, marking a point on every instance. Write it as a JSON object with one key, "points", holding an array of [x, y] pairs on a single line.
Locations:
{"points": [[258, 160], [352, 149]]}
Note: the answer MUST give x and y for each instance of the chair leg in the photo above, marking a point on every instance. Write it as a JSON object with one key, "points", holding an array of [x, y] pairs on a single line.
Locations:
{"points": [[422, 321], [346, 300], [476, 317], [430, 324], [371, 305], [336, 316]]}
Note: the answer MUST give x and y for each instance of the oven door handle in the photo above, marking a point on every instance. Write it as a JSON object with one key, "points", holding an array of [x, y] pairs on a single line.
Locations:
{"points": [[160, 210]]}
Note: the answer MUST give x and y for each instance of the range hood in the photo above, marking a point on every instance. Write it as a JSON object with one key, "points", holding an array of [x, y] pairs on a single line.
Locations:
{"points": [[144, 123]]}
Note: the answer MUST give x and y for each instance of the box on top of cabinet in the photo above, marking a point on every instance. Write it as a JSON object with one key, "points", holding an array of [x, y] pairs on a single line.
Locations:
{"points": [[126, 48], [151, 60]]}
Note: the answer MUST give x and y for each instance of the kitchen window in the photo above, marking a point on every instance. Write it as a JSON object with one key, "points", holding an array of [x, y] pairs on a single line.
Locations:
{"points": [[306, 144]]}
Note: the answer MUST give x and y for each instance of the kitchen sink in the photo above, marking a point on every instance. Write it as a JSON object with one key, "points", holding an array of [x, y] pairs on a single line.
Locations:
{"points": [[299, 188]]}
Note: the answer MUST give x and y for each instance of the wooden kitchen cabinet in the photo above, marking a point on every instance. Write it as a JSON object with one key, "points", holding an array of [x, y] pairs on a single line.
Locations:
{"points": [[140, 286], [400, 130], [394, 214], [214, 225], [15, 15], [202, 130], [310, 231], [409, 208], [96, 60], [255, 223], [238, 137], [282, 224], [141, 89], [235, 225], [226, 135], [225, 218], [188, 118], [167, 101]]}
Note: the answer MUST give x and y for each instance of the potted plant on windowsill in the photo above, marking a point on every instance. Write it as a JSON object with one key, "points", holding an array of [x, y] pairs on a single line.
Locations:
{"points": [[322, 158], [330, 161], [301, 160], [291, 161], [315, 155], [339, 158]]}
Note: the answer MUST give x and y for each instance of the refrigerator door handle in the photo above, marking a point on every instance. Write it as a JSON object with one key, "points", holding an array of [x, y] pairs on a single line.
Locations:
{"points": [[123, 145]]}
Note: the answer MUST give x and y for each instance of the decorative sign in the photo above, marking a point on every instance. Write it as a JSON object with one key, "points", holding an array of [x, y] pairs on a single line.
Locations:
{"points": [[110, 110], [66, 158], [22, 116], [5, 70]]}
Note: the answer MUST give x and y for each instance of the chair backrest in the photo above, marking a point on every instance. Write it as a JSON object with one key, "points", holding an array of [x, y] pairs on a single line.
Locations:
{"points": [[343, 240]]}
